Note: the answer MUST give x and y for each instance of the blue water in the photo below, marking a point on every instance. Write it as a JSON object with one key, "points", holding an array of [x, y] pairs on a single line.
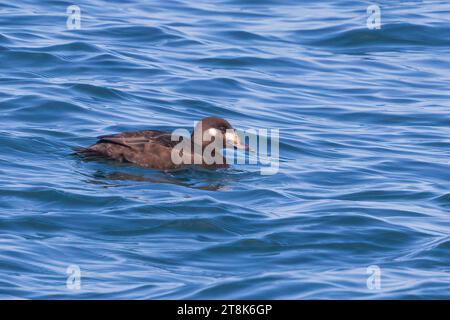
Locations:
{"points": [[364, 176]]}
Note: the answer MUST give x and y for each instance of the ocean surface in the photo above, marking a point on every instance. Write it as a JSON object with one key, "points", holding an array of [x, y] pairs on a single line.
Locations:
{"points": [[360, 206]]}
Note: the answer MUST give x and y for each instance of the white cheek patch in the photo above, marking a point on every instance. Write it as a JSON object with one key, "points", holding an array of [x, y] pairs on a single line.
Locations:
{"points": [[212, 132]]}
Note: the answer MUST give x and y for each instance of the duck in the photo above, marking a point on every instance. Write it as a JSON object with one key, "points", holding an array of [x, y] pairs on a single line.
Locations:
{"points": [[155, 149]]}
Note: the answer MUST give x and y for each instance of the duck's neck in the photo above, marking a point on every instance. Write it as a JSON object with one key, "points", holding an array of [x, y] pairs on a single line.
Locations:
{"points": [[199, 151]]}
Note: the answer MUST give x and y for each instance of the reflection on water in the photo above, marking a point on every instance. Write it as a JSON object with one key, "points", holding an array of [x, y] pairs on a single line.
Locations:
{"points": [[179, 178]]}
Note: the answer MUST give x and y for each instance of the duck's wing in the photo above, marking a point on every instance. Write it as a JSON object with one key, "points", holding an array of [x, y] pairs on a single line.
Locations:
{"points": [[138, 140]]}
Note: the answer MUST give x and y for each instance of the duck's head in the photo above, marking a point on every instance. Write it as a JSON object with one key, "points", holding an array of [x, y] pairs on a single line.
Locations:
{"points": [[211, 128]]}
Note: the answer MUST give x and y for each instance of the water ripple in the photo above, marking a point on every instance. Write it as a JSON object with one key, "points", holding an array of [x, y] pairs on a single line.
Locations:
{"points": [[364, 170]]}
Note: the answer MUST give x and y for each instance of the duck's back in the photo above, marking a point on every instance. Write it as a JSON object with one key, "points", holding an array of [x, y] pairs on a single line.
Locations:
{"points": [[149, 148]]}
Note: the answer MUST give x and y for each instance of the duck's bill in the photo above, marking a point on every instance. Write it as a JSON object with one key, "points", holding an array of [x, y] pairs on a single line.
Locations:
{"points": [[233, 139], [244, 147]]}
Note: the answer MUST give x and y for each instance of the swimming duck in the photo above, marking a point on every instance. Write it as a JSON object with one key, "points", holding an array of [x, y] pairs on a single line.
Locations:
{"points": [[154, 148]]}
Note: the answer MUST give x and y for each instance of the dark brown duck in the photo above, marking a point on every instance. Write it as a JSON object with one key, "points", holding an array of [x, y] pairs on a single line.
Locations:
{"points": [[153, 148]]}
